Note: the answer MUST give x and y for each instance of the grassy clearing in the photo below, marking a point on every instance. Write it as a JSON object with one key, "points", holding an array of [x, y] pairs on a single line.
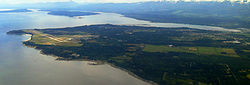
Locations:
{"points": [[195, 50], [248, 76], [137, 30], [121, 59], [42, 40], [246, 51], [244, 34], [47, 39]]}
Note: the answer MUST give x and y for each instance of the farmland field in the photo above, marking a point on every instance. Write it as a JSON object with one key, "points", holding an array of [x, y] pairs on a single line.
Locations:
{"points": [[195, 50]]}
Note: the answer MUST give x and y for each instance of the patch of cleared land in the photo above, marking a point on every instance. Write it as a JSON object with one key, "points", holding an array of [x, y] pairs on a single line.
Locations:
{"points": [[47, 39], [248, 76], [195, 50]]}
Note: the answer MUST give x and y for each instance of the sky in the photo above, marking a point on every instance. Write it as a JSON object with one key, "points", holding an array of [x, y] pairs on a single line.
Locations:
{"points": [[80, 1], [85, 1]]}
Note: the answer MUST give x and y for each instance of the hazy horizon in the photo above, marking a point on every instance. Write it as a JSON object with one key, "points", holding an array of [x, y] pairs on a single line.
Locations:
{"points": [[98, 1]]}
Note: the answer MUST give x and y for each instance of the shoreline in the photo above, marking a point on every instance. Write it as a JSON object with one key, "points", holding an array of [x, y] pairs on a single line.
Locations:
{"points": [[179, 25], [103, 62], [28, 35], [132, 74]]}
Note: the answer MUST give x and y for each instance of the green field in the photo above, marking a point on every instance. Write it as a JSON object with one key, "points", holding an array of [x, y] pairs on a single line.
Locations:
{"points": [[196, 50], [248, 76], [47, 39]]}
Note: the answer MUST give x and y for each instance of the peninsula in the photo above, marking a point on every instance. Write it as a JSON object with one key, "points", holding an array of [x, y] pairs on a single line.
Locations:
{"points": [[167, 56]]}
